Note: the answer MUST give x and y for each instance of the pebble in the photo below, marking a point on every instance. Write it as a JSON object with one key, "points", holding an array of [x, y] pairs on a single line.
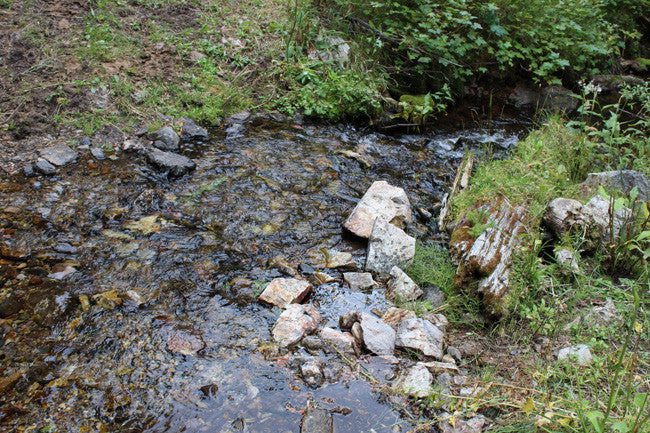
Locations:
{"points": [[43, 166]]}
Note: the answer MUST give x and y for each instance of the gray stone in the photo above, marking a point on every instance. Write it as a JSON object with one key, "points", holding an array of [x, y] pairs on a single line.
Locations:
{"points": [[193, 132], [402, 287], [332, 49], [388, 246], [28, 170], [433, 295], [337, 341], [558, 98], [416, 382], [605, 314], [381, 199], [240, 117], [524, 97], [378, 336], [59, 155], [235, 130], [312, 373], [580, 352], [421, 335], [455, 353], [347, 320], [395, 315], [596, 213], [623, 180], [97, 153], [316, 421], [562, 214], [176, 165], [44, 167], [284, 291], [472, 425], [294, 323], [567, 260], [165, 138], [359, 281]]}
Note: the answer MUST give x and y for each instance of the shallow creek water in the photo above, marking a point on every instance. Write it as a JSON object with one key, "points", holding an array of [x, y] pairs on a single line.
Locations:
{"points": [[279, 189]]}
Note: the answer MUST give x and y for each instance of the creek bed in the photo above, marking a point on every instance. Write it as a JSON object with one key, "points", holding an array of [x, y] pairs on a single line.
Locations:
{"points": [[165, 343]]}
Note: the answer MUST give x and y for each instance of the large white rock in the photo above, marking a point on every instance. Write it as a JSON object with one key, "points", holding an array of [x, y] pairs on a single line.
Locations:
{"points": [[378, 336], [623, 180], [402, 287], [284, 291], [580, 352], [562, 214], [416, 382], [294, 323], [380, 200], [422, 335], [597, 214], [337, 341], [388, 246], [359, 281]]}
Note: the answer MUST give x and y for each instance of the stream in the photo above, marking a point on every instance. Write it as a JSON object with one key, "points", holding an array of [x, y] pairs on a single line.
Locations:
{"points": [[128, 301]]}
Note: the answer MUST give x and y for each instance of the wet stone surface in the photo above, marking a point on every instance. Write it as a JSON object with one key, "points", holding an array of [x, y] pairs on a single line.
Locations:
{"points": [[148, 333]]}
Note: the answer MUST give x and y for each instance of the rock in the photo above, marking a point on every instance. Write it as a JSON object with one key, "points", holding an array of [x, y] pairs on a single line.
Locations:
{"points": [[471, 391], [323, 278], [60, 274], [473, 425], [59, 155], [381, 199], [193, 132], [7, 383], [422, 335], [623, 180], [209, 390], [316, 421], [395, 315], [84, 143], [176, 165], [357, 332], [439, 320], [441, 367], [433, 295], [488, 258], [185, 342], [346, 321], [416, 382], [312, 373], [455, 353], [331, 259], [294, 323], [558, 98], [196, 56], [13, 253], [388, 246], [97, 153], [108, 300], [240, 117], [402, 287], [567, 260], [235, 131], [378, 337], [65, 248], [332, 49], [581, 353], [44, 167], [524, 97], [165, 139], [359, 281], [28, 170], [562, 214], [596, 212], [604, 315], [312, 342], [284, 291], [337, 341]]}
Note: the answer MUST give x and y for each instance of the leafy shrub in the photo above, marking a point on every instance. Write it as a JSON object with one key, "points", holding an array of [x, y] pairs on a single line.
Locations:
{"points": [[453, 41]]}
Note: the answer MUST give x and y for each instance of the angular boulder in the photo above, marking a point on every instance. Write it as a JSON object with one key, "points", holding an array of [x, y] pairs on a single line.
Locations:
{"points": [[388, 246], [59, 155], [284, 291], [165, 139], [380, 200], [176, 165], [421, 335], [378, 337], [395, 315], [337, 341], [623, 180], [416, 382], [359, 281], [193, 132], [294, 323], [402, 287], [562, 214]]}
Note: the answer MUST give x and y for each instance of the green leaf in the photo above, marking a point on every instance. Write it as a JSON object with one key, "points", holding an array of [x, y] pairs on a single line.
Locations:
{"points": [[594, 417], [621, 426], [640, 399]]}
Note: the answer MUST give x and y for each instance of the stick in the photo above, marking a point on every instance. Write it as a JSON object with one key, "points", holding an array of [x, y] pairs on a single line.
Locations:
{"points": [[463, 172]]}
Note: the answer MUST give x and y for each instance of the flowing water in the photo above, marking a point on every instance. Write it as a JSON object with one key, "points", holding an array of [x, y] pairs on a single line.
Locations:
{"points": [[148, 333]]}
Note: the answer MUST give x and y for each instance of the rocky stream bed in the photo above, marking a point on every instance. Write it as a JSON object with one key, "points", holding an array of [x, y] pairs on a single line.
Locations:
{"points": [[129, 289]]}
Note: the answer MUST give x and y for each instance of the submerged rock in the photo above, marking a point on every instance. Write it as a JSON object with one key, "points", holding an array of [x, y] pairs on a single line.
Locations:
{"points": [[332, 259], [185, 342], [176, 165], [165, 138], [389, 246], [284, 291], [380, 200], [312, 373], [378, 337], [402, 287], [316, 421], [421, 335], [359, 281], [294, 323], [59, 155]]}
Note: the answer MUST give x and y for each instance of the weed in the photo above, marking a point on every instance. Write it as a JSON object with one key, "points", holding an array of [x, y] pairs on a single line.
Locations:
{"points": [[196, 195]]}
